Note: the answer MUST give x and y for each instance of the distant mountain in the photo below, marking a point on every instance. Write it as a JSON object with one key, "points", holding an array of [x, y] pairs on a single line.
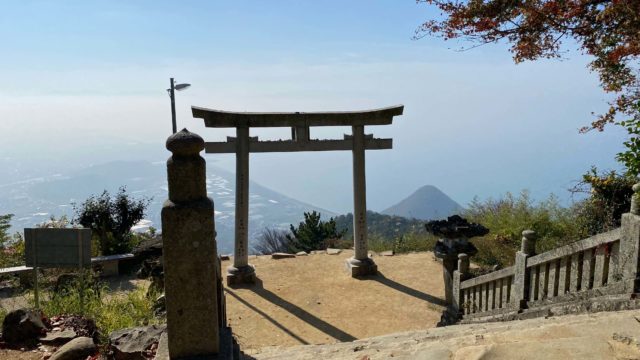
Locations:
{"points": [[34, 200], [426, 203]]}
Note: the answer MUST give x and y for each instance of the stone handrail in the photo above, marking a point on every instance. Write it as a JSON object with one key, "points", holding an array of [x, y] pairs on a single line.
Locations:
{"points": [[482, 279], [591, 269], [575, 247]]}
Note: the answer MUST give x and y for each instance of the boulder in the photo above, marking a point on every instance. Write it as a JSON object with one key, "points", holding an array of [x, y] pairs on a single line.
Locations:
{"points": [[58, 337], [301, 253], [332, 251], [387, 253], [76, 349], [280, 255], [225, 257], [20, 326], [160, 305], [135, 343], [149, 248]]}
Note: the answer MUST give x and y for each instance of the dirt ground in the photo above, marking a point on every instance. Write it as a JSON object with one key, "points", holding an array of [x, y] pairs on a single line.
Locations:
{"points": [[313, 300]]}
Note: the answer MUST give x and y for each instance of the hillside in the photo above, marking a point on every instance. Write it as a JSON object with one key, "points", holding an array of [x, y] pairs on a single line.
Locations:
{"points": [[426, 203], [381, 225]]}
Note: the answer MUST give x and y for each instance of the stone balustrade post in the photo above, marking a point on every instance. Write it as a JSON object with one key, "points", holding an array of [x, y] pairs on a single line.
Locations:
{"points": [[189, 251], [521, 276], [630, 244], [459, 275]]}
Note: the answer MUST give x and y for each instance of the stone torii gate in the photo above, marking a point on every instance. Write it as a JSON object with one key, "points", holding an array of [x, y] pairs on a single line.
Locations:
{"points": [[360, 264]]}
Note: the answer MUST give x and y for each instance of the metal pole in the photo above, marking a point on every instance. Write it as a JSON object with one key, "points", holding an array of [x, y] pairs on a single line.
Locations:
{"points": [[173, 106]]}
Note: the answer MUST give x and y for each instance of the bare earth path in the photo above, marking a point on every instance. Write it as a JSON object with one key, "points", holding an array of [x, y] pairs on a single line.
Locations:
{"points": [[312, 300]]}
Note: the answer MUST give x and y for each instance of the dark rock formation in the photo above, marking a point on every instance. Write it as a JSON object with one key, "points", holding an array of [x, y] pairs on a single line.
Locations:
{"points": [[22, 326]]}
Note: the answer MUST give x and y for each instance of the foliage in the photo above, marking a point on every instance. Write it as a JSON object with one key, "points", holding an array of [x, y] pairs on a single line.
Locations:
{"points": [[630, 158], [610, 197], [11, 246], [53, 223], [313, 233], [508, 216], [111, 219], [5, 225], [271, 241], [607, 30], [381, 225], [110, 311]]}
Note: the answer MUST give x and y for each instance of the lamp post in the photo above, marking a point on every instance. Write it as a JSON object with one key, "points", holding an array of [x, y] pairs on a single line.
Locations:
{"points": [[171, 90]]}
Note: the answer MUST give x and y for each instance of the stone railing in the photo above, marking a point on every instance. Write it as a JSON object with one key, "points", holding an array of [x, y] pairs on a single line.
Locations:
{"points": [[597, 273]]}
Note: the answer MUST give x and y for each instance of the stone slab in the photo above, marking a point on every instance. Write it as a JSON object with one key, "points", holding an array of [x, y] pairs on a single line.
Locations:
{"points": [[280, 255]]}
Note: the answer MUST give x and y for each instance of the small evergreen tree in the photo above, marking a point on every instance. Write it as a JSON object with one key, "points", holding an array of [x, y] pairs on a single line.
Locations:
{"points": [[5, 224], [312, 233], [111, 219]]}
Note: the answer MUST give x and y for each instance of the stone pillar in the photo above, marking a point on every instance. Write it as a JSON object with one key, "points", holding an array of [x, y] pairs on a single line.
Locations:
{"points": [[241, 272], [189, 252], [521, 276], [449, 264], [459, 275], [360, 264], [630, 244]]}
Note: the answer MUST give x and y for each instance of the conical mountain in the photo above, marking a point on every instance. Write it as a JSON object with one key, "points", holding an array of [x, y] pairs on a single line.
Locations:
{"points": [[426, 203]]}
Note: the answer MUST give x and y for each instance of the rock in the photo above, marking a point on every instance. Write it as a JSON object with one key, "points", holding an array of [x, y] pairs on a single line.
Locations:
{"points": [[225, 257], [76, 349], [149, 249], [58, 337], [162, 352], [20, 326], [133, 344], [151, 267], [301, 253], [332, 251], [160, 305], [387, 253], [279, 255]]}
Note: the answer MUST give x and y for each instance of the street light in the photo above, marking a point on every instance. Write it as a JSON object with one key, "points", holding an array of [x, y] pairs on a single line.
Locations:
{"points": [[171, 91]]}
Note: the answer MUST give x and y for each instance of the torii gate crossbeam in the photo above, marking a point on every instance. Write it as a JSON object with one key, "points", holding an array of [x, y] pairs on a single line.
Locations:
{"points": [[242, 145]]}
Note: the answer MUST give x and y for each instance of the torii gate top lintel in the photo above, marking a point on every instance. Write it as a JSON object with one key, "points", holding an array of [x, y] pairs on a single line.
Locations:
{"points": [[220, 119]]}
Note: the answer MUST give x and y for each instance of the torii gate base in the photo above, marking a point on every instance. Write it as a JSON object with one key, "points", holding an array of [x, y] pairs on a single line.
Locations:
{"points": [[241, 272]]}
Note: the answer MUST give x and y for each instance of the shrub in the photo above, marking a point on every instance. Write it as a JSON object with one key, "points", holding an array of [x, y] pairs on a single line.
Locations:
{"points": [[609, 197], [313, 233], [509, 216], [111, 219], [271, 241], [110, 311]]}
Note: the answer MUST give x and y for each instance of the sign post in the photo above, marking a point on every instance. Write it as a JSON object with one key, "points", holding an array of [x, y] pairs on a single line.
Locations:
{"points": [[57, 248]]}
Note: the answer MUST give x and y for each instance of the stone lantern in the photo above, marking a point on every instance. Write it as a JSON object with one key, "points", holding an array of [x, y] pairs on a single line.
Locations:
{"points": [[454, 234]]}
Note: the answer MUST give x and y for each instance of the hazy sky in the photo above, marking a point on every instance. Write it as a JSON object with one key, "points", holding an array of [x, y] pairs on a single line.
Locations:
{"points": [[85, 81]]}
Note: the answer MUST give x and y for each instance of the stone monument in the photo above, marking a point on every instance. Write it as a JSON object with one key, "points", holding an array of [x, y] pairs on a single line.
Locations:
{"points": [[189, 253]]}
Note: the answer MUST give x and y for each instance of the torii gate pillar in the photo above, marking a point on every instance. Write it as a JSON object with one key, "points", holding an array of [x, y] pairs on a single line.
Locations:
{"points": [[241, 272], [360, 264]]}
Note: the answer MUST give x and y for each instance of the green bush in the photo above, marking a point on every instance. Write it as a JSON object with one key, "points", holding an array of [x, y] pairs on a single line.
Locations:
{"points": [[508, 216], [313, 233], [609, 197], [111, 220], [111, 311]]}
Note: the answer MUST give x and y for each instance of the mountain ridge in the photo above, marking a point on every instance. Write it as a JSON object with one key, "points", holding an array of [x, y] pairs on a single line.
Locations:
{"points": [[426, 203]]}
